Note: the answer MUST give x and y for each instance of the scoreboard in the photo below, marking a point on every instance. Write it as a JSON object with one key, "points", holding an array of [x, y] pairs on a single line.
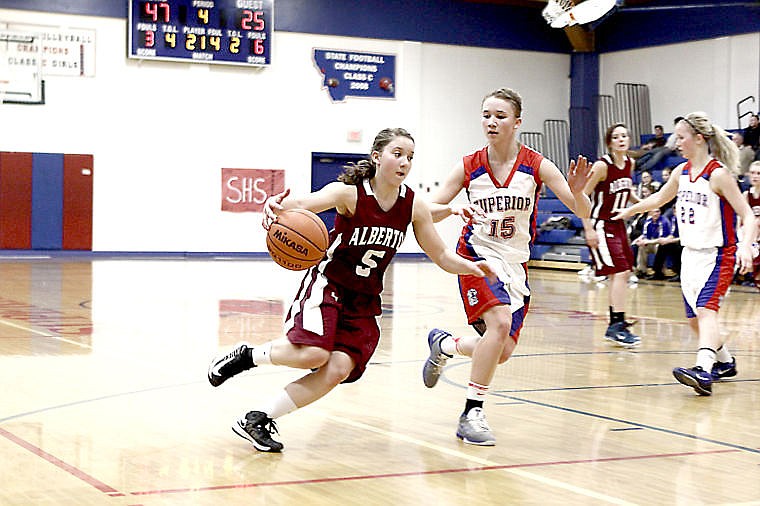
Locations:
{"points": [[233, 32]]}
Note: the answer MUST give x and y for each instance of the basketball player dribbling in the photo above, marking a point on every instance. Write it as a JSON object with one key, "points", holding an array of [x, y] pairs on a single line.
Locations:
{"points": [[708, 202], [503, 179], [610, 187], [332, 326]]}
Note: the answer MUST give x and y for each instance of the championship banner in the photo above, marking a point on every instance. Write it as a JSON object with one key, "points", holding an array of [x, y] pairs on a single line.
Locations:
{"points": [[246, 190], [61, 51], [354, 74]]}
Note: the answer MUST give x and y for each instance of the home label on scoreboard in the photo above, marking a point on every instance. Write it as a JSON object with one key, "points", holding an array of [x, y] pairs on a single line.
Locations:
{"points": [[233, 32]]}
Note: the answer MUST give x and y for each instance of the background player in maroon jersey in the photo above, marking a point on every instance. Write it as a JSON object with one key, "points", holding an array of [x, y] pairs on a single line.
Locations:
{"points": [[332, 326], [610, 188], [753, 198]]}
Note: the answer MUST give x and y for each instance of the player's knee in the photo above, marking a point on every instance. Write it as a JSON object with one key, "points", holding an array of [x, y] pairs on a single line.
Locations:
{"points": [[313, 357], [509, 347], [500, 330], [337, 370]]}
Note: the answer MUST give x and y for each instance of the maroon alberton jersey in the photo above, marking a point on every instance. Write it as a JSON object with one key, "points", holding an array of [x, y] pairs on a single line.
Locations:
{"points": [[362, 246], [611, 193], [754, 202]]}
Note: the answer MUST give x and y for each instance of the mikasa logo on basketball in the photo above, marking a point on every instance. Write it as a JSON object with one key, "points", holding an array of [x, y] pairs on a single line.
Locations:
{"points": [[282, 238]]}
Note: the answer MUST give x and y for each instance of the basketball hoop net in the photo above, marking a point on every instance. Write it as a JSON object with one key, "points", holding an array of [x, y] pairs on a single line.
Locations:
{"points": [[557, 13], [562, 13]]}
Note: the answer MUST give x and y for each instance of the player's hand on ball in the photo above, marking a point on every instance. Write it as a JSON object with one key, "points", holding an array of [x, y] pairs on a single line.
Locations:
{"points": [[273, 207]]}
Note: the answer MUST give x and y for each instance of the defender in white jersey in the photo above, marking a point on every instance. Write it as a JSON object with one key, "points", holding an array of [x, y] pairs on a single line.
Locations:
{"points": [[707, 207], [502, 182]]}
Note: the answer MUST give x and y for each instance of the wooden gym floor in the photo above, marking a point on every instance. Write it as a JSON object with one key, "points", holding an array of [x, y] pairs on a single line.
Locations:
{"points": [[103, 363]]}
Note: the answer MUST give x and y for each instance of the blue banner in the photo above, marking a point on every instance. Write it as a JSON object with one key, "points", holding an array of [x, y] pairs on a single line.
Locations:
{"points": [[354, 74]]}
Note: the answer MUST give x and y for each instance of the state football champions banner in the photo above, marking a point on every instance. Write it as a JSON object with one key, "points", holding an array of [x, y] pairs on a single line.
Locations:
{"points": [[356, 74]]}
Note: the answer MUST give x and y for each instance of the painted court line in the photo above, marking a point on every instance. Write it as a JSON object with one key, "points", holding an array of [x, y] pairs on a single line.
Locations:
{"points": [[27, 328], [516, 469], [605, 417], [60, 464], [484, 462]]}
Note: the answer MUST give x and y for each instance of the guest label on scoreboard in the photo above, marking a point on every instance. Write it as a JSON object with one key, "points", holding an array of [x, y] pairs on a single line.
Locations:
{"points": [[233, 32]]}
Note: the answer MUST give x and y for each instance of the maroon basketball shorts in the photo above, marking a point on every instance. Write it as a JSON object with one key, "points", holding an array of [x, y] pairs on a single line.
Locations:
{"points": [[614, 253], [335, 318]]}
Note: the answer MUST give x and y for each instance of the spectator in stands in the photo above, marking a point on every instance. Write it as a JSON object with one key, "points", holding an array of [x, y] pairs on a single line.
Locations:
{"points": [[667, 209], [751, 134], [669, 252], [610, 187], [655, 155], [635, 226], [746, 156], [646, 180], [655, 228], [659, 138]]}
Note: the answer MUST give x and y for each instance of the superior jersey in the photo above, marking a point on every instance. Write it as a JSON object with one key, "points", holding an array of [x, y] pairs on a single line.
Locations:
{"points": [[362, 245], [510, 206], [611, 193], [705, 219]]}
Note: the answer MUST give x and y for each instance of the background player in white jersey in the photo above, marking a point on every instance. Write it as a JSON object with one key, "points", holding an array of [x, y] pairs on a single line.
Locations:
{"points": [[610, 188], [502, 182], [708, 203]]}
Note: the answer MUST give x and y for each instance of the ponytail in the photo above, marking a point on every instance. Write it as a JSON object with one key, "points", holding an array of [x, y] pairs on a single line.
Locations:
{"points": [[725, 150], [354, 173], [719, 143]]}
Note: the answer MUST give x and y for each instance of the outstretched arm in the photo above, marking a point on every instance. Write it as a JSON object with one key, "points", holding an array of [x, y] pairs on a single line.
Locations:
{"points": [[336, 195], [598, 173], [440, 205], [434, 247], [662, 196], [570, 191]]}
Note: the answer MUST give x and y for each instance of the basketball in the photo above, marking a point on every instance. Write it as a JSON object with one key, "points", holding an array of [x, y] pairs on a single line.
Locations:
{"points": [[297, 239]]}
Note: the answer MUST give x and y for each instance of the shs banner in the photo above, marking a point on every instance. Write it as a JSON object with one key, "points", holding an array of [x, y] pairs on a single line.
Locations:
{"points": [[246, 190]]}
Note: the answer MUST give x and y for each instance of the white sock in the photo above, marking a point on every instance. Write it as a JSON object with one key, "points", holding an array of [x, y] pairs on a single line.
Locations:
{"points": [[706, 358], [476, 391], [723, 355], [449, 345], [279, 405], [261, 354]]}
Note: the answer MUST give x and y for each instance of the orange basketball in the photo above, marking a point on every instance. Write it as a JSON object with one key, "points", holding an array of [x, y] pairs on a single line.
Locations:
{"points": [[297, 239]]}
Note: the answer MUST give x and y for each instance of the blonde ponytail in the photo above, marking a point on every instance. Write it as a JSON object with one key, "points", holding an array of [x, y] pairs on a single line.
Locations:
{"points": [[720, 144], [725, 150]]}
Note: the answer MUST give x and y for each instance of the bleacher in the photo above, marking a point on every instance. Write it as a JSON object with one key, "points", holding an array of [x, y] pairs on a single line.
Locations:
{"points": [[670, 161], [566, 246], [559, 244]]}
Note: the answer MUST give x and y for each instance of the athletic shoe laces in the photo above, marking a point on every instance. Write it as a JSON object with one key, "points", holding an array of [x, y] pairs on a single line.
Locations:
{"points": [[477, 420]]}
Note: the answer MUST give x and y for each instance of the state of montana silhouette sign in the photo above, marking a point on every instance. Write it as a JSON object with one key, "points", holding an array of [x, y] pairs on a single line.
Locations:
{"points": [[356, 74]]}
